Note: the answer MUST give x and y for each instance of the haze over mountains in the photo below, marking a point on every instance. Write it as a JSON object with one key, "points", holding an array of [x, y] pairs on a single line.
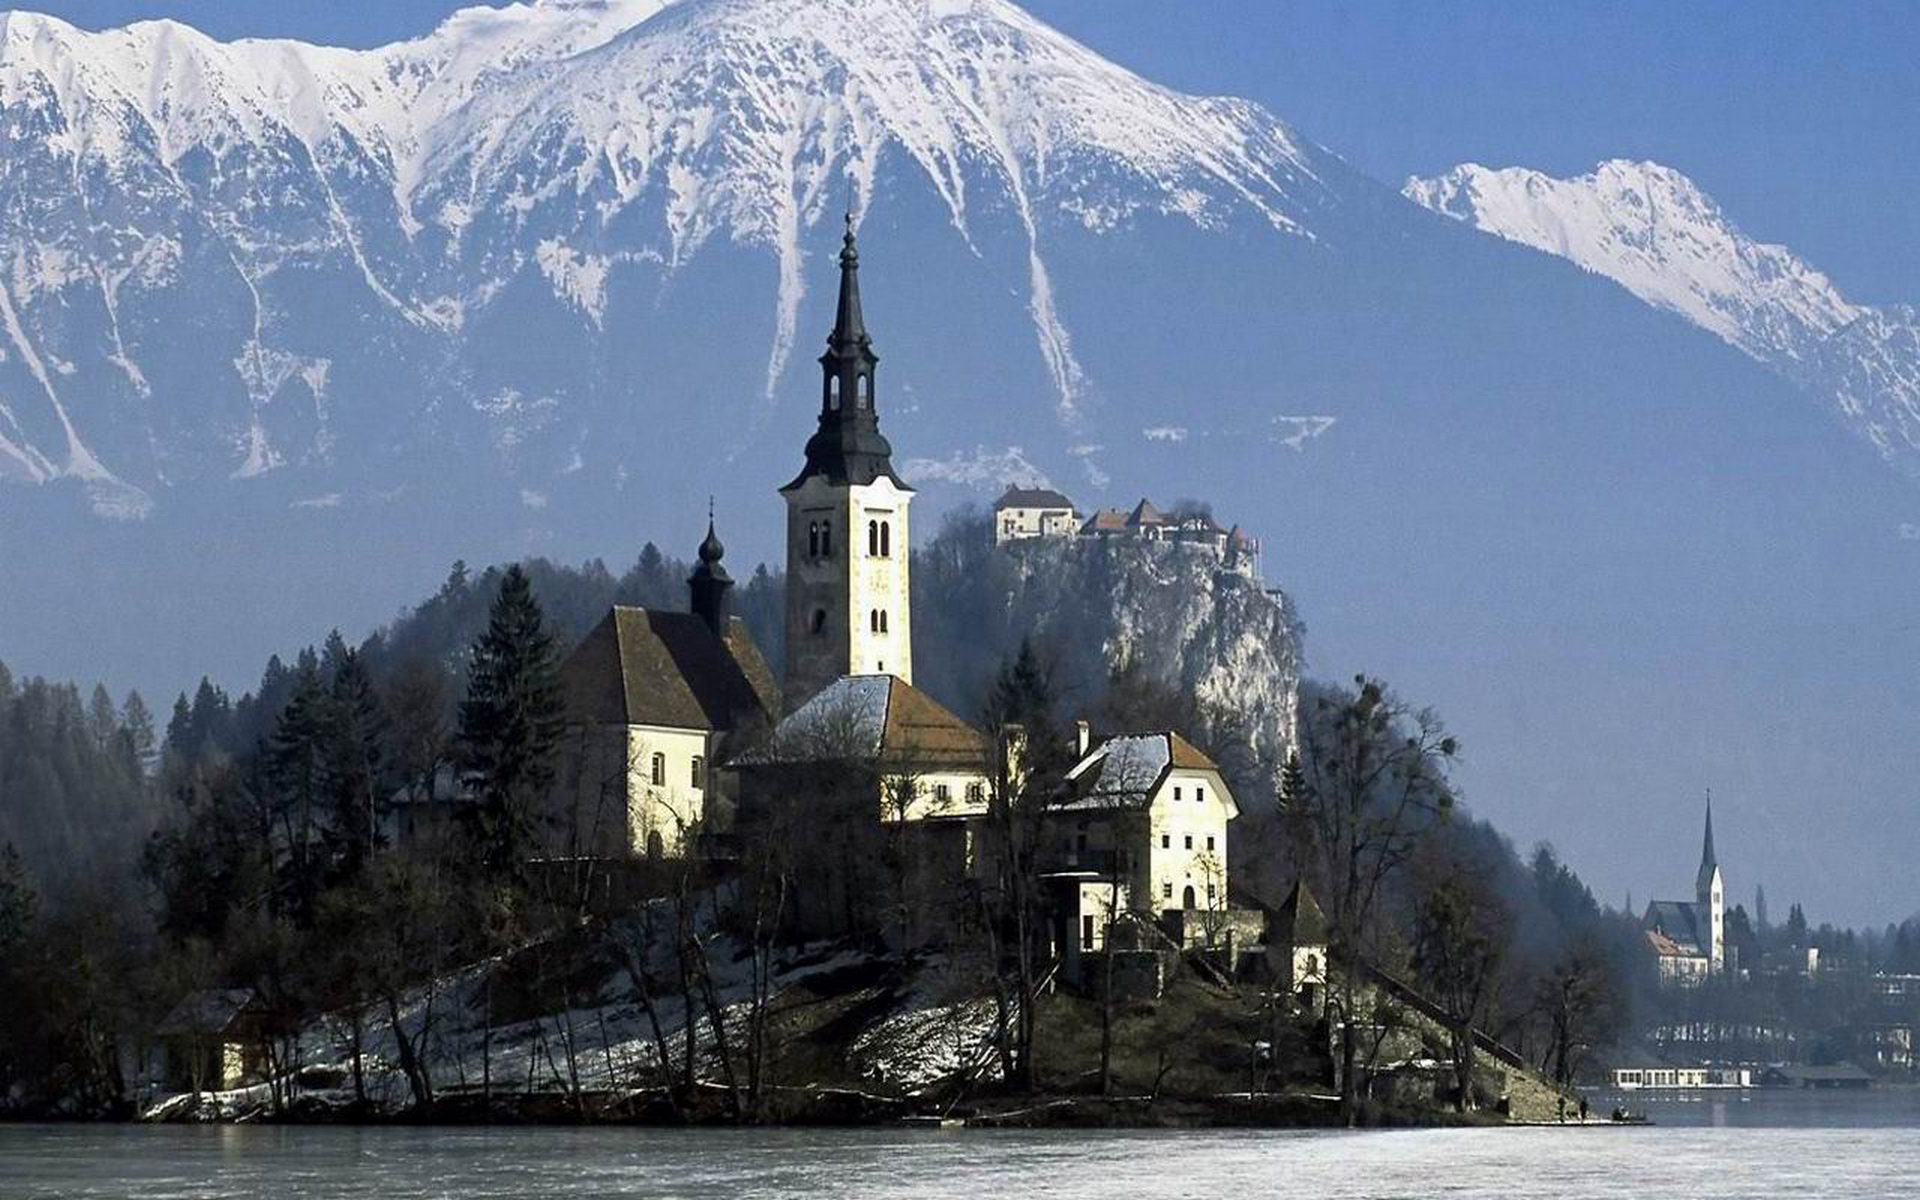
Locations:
{"points": [[287, 328]]}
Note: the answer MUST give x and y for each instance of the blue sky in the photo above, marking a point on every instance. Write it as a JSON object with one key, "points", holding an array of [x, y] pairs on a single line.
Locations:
{"points": [[1803, 120]]}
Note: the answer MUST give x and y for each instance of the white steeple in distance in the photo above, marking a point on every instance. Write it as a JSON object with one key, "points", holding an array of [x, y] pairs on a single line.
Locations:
{"points": [[1710, 895]]}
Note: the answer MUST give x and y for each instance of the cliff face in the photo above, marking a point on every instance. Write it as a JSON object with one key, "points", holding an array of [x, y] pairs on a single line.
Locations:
{"points": [[1170, 609]]}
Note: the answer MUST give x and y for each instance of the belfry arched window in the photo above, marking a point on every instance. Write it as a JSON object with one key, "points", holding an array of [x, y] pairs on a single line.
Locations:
{"points": [[873, 621], [833, 393], [826, 539], [813, 539], [873, 539], [886, 539], [866, 390]]}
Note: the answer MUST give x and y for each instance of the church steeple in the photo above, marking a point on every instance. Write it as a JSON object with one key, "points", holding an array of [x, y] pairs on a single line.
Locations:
{"points": [[709, 585], [1709, 865], [848, 447]]}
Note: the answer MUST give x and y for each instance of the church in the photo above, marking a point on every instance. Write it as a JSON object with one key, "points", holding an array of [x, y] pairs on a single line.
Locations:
{"points": [[1689, 939], [680, 740]]}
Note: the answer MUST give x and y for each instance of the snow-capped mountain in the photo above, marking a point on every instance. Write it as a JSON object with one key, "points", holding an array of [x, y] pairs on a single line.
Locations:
{"points": [[228, 259], [1650, 229]]}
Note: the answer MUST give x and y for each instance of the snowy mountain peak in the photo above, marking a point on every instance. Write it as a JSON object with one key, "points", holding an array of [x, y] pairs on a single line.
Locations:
{"points": [[1653, 231], [1650, 229], [562, 147]]}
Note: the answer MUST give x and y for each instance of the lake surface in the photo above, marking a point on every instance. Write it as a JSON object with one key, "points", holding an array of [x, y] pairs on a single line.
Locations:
{"points": [[1768, 1145]]}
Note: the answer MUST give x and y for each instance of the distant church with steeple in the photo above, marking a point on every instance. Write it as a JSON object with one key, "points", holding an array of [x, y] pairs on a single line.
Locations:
{"points": [[1689, 939]]}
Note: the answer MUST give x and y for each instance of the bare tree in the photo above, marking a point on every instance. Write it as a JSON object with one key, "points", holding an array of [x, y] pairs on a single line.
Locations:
{"points": [[1371, 782], [1460, 935]]}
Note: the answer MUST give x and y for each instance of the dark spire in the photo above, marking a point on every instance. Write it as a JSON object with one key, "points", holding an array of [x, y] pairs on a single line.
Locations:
{"points": [[1708, 864], [709, 584], [849, 327], [848, 446]]}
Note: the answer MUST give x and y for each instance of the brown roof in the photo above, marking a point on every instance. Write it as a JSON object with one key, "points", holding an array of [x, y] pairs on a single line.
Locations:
{"points": [[1106, 520], [1144, 513], [641, 666], [873, 718], [1126, 770], [206, 1012], [1019, 497], [1300, 917]]}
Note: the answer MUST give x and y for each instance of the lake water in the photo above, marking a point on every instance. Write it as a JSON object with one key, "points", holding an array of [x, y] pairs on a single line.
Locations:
{"points": [[1769, 1145]]}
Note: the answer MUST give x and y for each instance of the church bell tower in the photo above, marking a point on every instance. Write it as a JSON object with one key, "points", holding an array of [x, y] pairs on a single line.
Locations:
{"points": [[1710, 896], [847, 588]]}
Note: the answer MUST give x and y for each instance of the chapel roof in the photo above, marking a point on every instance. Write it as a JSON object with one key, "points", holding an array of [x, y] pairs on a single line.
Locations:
{"points": [[873, 718], [1300, 920], [1679, 921], [642, 666]]}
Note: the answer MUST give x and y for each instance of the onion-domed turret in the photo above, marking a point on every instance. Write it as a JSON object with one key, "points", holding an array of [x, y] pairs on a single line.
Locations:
{"points": [[709, 584]]}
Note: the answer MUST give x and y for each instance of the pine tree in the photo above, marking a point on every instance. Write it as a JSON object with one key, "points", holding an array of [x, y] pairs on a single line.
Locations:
{"points": [[510, 722], [354, 762], [180, 729], [293, 763], [1293, 784], [103, 721], [136, 728]]}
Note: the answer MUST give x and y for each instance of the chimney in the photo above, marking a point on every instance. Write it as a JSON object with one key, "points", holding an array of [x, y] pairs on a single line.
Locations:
{"points": [[1082, 738]]}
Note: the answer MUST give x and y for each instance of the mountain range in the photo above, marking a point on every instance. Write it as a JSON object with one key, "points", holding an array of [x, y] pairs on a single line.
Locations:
{"points": [[289, 327]]}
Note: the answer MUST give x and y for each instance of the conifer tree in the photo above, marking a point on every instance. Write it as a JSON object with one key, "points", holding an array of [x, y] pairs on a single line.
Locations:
{"points": [[510, 722], [136, 728], [102, 719], [294, 767], [354, 762]]}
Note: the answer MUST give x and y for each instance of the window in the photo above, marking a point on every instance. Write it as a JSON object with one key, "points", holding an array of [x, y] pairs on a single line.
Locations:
{"points": [[813, 539], [1086, 933], [976, 793], [833, 392], [1200, 794], [659, 770], [1209, 893], [873, 621], [1166, 841], [1189, 841], [941, 792], [1176, 792], [1209, 841], [819, 620], [866, 389], [698, 773], [886, 539], [826, 539], [873, 539], [1166, 891]]}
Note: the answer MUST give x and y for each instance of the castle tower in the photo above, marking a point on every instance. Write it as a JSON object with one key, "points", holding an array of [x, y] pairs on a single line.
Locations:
{"points": [[847, 590], [1710, 895]]}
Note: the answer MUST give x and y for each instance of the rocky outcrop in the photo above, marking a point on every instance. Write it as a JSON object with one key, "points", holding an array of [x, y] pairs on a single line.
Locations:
{"points": [[1171, 609]]}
